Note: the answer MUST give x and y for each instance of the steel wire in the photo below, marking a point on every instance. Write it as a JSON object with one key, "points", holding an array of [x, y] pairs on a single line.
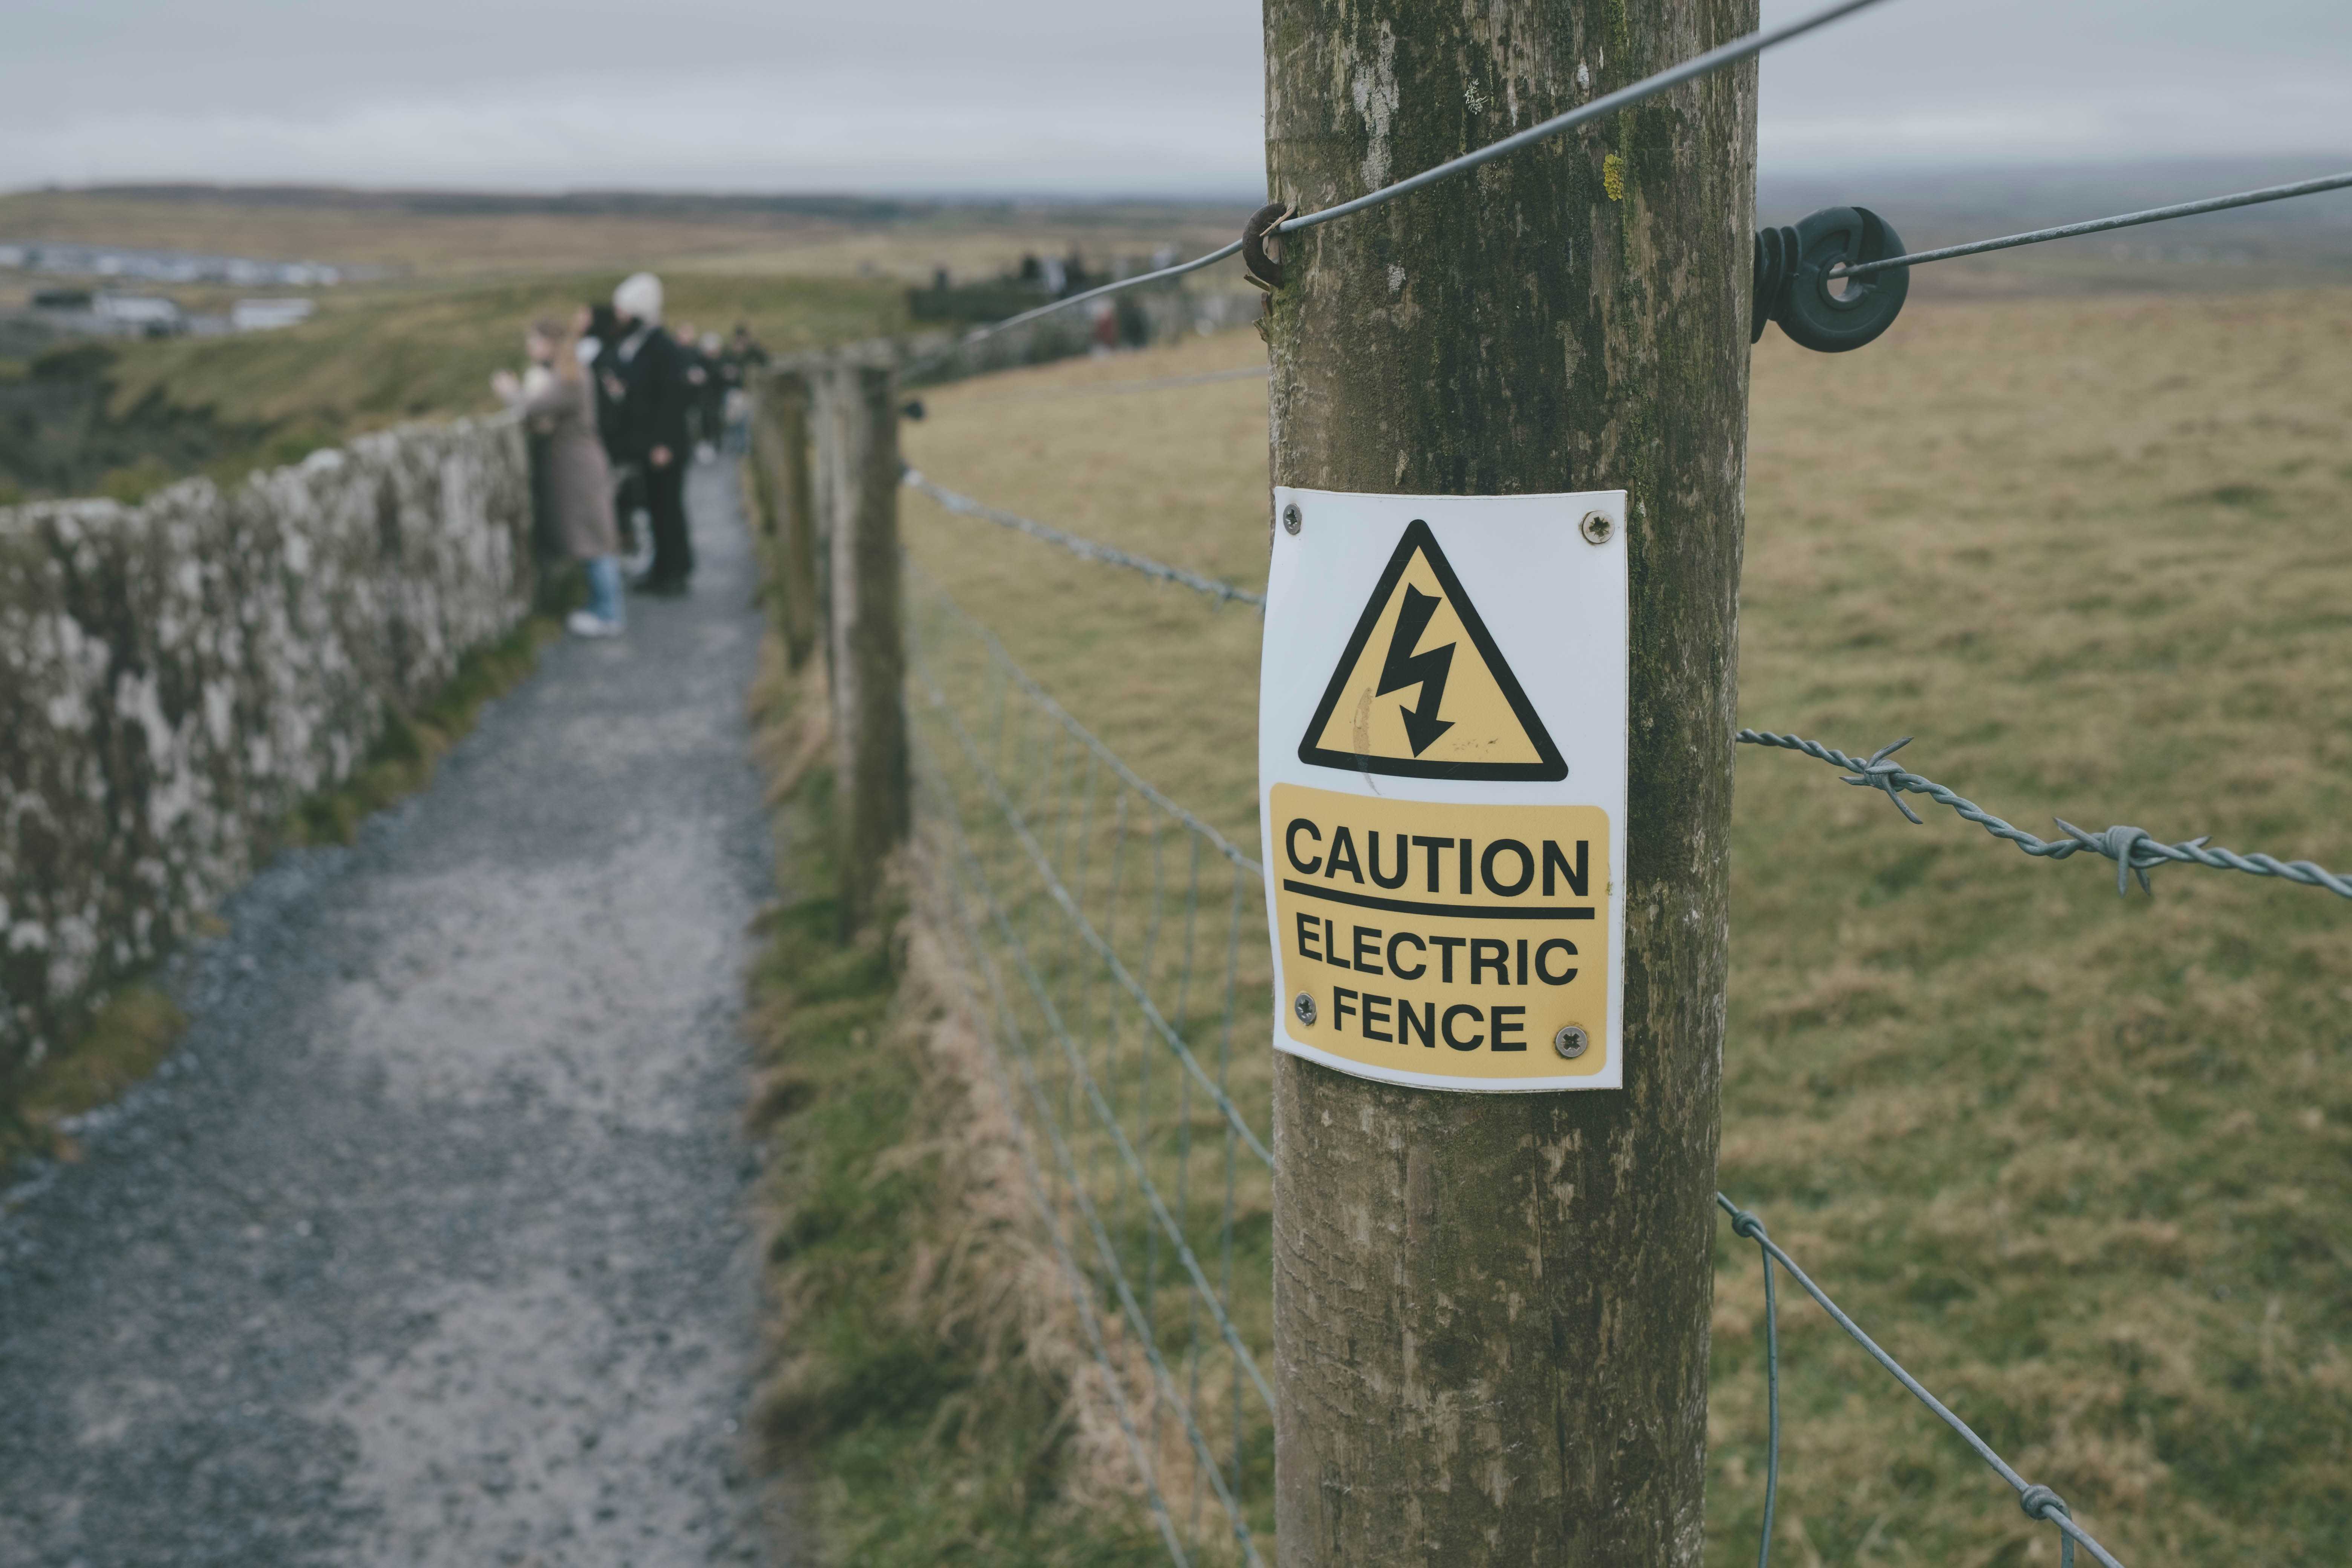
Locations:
{"points": [[1624, 98], [1060, 893], [1163, 1384], [1104, 1250], [1084, 1076], [2101, 225], [1085, 736], [1086, 549], [2134, 850], [2038, 1501], [1649, 87], [1120, 388], [1163, 274]]}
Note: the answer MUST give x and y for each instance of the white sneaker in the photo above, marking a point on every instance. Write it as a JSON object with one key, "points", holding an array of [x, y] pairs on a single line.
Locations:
{"points": [[583, 625]]}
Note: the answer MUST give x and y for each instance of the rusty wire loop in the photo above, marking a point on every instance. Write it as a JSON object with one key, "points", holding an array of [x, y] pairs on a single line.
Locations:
{"points": [[2038, 1501], [1085, 548], [2134, 850]]}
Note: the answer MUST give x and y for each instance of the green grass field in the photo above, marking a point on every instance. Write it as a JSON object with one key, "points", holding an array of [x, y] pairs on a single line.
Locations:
{"points": [[2080, 1161]]}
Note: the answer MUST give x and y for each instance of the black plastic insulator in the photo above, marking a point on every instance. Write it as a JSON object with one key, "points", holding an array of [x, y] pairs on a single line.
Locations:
{"points": [[1796, 266]]}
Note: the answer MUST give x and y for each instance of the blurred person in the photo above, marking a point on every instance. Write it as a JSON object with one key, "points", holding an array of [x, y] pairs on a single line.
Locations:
{"points": [[747, 351], [600, 351], [718, 384], [655, 399], [545, 542], [698, 377], [745, 360], [562, 408]]}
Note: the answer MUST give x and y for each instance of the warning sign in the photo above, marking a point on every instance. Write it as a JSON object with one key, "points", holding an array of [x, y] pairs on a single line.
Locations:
{"points": [[1422, 690], [1443, 787], [1452, 939]]}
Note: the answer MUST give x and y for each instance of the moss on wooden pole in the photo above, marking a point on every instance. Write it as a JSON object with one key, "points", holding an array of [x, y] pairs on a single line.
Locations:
{"points": [[1491, 1311], [866, 649], [780, 437]]}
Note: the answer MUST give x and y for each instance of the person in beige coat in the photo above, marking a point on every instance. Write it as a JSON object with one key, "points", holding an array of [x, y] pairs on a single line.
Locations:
{"points": [[561, 405]]}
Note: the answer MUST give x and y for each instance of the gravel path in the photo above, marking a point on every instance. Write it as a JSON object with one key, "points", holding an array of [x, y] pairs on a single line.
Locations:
{"points": [[429, 1246]]}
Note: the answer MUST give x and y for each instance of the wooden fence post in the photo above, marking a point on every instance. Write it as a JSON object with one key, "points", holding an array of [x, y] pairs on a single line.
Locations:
{"points": [[780, 448], [1491, 1311], [858, 415]]}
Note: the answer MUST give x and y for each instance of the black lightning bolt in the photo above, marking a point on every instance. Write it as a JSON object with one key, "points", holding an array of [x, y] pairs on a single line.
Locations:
{"points": [[1405, 667]]}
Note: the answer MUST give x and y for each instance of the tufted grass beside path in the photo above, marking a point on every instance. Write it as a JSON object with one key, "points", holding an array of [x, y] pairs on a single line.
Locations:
{"points": [[2083, 1164], [921, 1354]]}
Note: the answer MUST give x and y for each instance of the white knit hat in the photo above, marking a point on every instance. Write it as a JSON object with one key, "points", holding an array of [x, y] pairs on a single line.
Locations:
{"points": [[639, 295]]}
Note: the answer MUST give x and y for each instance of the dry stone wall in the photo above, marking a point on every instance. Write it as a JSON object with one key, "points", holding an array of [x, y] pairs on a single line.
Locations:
{"points": [[176, 676]]}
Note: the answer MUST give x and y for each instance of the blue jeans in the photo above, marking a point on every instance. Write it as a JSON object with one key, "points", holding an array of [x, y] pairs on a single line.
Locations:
{"points": [[604, 588]]}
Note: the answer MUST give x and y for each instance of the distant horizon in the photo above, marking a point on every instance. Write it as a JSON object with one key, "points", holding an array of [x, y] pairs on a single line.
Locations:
{"points": [[2281, 165]]}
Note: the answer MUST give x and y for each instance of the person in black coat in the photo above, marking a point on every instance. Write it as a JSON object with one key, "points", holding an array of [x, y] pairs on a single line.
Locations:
{"points": [[603, 331], [652, 427]]}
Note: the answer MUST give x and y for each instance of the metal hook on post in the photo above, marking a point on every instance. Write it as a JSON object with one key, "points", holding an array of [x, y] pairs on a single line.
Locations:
{"points": [[1262, 246]]}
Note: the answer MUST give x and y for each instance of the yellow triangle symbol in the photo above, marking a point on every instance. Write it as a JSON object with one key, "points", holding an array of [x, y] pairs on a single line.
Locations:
{"points": [[1421, 689]]}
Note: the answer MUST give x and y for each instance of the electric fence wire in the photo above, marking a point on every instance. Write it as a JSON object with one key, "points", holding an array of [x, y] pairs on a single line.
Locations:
{"points": [[2134, 850], [1105, 1249], [1120, 388], [998, 797], [1162, 274], [1245, 863], [1085, 548], [1087, 1040], [968, 878], [1609, 103], [2038, 1502], [2101, 225], [1081, 1297]]}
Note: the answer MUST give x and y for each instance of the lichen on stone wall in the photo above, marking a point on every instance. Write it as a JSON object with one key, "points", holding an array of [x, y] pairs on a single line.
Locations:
{"points": [[175, 677]]}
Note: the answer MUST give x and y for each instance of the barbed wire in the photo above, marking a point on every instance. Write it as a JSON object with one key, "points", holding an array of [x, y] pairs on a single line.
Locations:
{"points": [[2134, 850], [1085, 548], [2130, 847], [2101, 225], [2040, 1503]]}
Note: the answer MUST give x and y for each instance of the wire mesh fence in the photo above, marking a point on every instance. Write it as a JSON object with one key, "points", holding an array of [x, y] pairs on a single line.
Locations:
{"points": [[1116, 943], [1114, 938]]}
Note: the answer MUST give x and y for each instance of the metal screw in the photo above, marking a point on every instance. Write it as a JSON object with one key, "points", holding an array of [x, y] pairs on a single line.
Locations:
{"points": [[1304, 1007], [1571, 1041], [1291, 524], [1597, 527]]}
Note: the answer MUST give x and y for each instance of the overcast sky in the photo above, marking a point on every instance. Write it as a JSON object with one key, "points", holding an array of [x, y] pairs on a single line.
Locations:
{"points": [[1047, 97]]}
